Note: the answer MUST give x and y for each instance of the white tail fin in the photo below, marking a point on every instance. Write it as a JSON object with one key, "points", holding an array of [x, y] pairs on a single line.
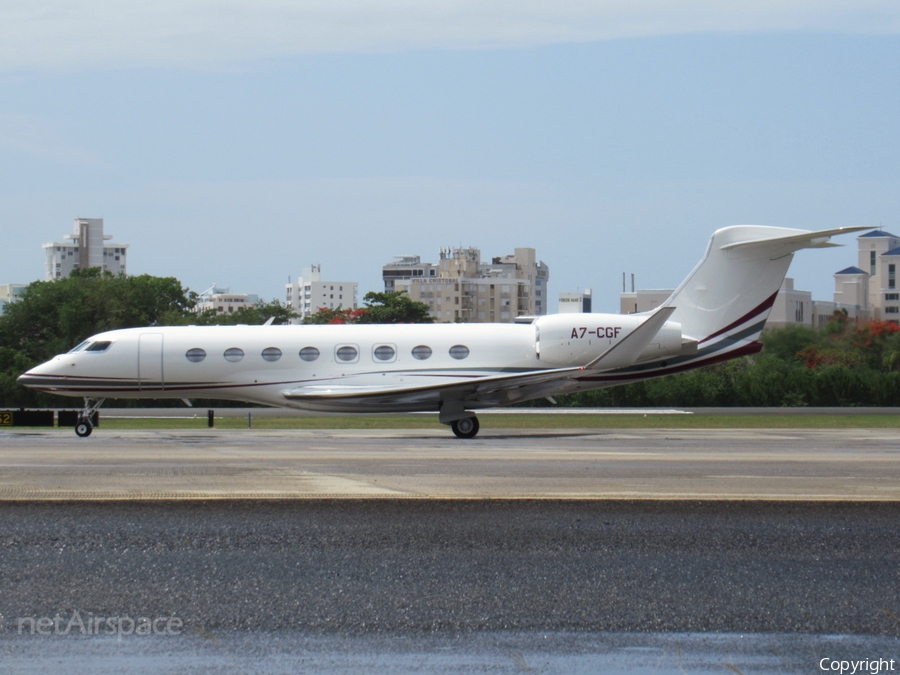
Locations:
{"points": [[732, 289]]}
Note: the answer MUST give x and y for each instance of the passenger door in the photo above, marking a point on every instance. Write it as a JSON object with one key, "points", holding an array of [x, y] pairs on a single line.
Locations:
{"points": [[150, 361]]}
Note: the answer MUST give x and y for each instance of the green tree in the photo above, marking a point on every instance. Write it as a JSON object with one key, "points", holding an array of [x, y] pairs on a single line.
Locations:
{"points": [[394, 307], [387, 307], [325, 315], [51, 317], [252, 315]]}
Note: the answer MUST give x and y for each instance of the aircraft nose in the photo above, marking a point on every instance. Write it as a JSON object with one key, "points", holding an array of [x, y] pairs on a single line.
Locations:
{"points": [[28, 379], [40, 377]]}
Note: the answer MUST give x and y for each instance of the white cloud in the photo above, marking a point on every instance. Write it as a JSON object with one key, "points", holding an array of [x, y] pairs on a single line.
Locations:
{"points": [[76, 34]]}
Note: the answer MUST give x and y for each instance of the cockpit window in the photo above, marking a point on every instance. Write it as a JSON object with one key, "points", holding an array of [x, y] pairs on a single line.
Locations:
{"points": [[99, 346], [78, 348]]}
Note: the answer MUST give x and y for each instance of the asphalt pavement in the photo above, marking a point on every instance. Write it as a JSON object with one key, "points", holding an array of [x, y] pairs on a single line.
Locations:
{"points": [[412, 566]]}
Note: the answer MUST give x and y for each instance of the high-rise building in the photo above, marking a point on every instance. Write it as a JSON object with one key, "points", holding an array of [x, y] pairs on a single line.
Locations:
{"points": [[309, 293], [86, 247], [463, 288]]}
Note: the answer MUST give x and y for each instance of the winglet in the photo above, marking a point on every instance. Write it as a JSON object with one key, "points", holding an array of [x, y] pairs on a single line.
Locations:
{"points": [[626, 352]]}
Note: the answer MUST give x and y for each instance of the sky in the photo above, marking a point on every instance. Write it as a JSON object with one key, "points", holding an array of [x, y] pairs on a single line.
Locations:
{"points": [[238, 142]]}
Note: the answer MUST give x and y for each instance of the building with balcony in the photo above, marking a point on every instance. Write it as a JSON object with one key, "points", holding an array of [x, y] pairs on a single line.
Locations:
{"points": [[406, 267], [85, 247], [461, 287]]}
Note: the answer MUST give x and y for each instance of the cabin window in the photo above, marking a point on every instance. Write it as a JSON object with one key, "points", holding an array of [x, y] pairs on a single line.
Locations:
{"points": [[459, 351], [384, 353], [234, 354], [271, 353], [100, 346], [309, 353], [421, 352], [347, 353], [195, 355]]}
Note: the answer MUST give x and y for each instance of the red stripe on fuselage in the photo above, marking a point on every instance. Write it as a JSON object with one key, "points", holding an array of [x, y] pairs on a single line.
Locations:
{"points": [[759, 309]]}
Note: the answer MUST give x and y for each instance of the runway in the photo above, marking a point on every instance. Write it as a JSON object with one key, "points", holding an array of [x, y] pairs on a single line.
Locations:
{"points": [[846, 464]]}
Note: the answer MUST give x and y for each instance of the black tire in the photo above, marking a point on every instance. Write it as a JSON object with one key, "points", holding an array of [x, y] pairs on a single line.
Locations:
{"points": [[467, 427], [83, 429]]}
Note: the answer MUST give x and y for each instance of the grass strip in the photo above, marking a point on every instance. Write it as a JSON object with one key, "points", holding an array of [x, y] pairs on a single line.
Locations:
{"points": [[537, 421]]}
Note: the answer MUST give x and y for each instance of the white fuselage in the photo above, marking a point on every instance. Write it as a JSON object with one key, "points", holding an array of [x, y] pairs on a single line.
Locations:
{"points": [[262, 364]]}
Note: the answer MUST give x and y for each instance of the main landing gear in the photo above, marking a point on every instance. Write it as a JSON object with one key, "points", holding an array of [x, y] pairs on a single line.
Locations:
{"points": [[467, 427], [84, 427]]}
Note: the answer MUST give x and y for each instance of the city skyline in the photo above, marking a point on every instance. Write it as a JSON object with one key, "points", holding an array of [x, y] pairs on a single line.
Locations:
{"points": [[651, 297]]}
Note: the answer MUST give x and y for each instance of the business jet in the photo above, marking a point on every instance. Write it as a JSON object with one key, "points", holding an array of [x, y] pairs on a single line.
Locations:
{"points": [[717, 313]]}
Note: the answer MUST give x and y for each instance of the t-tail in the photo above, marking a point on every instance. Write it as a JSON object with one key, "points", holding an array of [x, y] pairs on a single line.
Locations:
{"points": [[724, 302]]}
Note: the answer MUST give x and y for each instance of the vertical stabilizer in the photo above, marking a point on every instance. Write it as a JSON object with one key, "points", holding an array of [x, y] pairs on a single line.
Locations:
{"points": [[732, 289]]}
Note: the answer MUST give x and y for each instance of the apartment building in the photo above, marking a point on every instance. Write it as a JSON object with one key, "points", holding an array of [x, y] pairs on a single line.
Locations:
{"points": [[85, 247], [462, 287], [222, 300], [309, 293]]}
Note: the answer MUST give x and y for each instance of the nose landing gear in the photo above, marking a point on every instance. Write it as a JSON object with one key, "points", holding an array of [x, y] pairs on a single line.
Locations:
{"points": [[84, 427]]}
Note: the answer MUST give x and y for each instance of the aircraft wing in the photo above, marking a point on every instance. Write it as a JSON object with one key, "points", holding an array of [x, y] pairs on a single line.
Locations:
{"points": [[474, 390]]}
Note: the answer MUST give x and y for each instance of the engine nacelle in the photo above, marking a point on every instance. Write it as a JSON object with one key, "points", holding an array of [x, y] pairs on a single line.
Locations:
{"points": [[576, 339]]}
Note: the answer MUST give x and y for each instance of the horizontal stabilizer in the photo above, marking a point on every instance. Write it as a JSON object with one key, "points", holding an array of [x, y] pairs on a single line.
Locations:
{"points": [[794, 242]]}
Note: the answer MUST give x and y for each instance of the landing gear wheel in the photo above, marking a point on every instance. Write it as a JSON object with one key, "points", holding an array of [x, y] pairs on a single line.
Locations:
{"points": [[87, 417], [467, 427]]}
